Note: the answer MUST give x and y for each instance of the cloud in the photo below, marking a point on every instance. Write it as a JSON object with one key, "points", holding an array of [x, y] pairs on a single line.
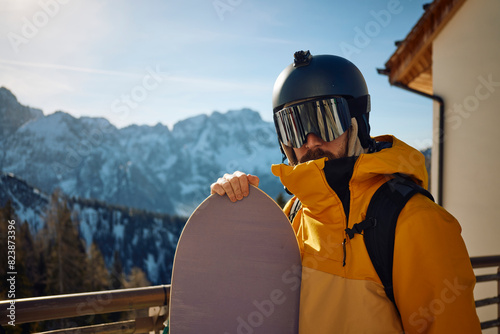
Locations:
{"points": [[66, 68]]}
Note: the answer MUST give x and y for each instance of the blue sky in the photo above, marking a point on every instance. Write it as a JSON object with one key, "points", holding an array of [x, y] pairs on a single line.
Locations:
{"points": [[161, 61]]}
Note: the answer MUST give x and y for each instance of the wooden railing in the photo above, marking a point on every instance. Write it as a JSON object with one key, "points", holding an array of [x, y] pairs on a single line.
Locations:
{"points": [[489, 262], [155, 300]]}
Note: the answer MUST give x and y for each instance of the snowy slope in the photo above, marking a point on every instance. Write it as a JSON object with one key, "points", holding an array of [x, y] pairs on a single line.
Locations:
{"points": [[142, 239]]}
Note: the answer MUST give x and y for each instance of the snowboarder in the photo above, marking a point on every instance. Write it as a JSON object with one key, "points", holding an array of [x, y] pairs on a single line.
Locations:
{"points": [[320, 106]]}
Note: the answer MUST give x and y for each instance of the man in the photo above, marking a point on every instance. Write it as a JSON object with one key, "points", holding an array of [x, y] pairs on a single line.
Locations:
{"points": [[321, 106]]}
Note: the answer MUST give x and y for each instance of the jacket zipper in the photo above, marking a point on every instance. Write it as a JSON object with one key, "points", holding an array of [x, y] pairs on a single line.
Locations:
{"points": [[346, 226], [343, 247]]}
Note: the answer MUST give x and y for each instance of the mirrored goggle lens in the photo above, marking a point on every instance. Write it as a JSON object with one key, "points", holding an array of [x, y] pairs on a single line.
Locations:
{"points": [[326, 118]]}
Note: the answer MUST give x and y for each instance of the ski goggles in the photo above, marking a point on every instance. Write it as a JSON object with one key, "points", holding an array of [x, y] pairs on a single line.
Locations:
{"points": [[327, 118]]}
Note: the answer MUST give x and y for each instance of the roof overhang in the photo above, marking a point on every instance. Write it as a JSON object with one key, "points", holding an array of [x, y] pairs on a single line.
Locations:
{"points": [[411, 63]]}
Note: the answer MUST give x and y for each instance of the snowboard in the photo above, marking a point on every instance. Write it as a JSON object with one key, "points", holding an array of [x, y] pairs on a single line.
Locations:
{"points": [[237, 269]]}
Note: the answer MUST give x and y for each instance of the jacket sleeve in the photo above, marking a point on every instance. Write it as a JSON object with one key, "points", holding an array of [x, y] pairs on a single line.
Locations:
{"points": [[432, 274]]}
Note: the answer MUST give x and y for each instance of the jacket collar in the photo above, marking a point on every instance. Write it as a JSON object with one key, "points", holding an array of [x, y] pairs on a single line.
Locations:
{"points": [[308, 181]]}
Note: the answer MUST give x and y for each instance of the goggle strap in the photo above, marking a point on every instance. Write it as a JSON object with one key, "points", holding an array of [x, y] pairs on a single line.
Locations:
{"points": [[359, 106]]}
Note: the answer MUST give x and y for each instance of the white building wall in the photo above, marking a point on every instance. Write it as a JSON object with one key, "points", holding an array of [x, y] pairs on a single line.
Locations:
{"points": [[466, 74]]}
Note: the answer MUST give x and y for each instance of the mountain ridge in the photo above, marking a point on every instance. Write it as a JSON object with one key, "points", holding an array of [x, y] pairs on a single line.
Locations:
{"points": [[150, 167]]}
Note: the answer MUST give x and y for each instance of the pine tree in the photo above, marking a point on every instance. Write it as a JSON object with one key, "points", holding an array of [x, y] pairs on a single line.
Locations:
{"points": [[23, 254], [280, 200], [7, 215], [117, 277], [65, 250], [97, 276], [40, 285], [136, 279], [27, 259]]}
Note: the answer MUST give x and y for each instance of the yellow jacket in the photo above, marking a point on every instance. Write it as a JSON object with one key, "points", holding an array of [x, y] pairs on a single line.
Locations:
{"points": [[341, 292]]}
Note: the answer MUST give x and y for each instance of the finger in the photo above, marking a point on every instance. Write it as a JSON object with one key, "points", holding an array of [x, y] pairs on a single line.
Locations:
{"points": [[227, 184], [236, 188], [216, 188], [221, 188], [243, 183], [253, 180]]}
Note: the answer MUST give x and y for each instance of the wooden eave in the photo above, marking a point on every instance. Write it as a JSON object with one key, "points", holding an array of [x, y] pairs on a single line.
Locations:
{"points": [[411, 63]]}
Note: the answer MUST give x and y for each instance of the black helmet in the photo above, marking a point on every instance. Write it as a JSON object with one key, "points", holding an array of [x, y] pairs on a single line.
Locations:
{"points": [[322, 77]]}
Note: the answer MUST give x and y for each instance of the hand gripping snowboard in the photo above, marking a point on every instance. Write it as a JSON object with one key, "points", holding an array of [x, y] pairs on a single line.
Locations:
{"points": [[236, 269]]}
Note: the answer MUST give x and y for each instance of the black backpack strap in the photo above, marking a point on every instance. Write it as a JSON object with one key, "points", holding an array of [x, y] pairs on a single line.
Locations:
{"points": [[380, 225], [294, 209]]}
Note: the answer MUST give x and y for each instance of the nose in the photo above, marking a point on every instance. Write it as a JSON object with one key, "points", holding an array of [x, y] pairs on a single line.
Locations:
{"points": [[313, 140]]}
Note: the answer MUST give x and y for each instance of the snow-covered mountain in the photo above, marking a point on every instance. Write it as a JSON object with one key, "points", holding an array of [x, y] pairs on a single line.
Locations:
{"points": [[147, 167], [29, 203], [141, 239]]}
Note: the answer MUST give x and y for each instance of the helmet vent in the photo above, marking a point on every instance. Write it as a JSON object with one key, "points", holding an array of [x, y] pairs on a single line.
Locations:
{"points": [[301, 58]]}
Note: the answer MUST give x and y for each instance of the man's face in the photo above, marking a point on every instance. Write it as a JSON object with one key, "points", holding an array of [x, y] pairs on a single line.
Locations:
{"points": [[316, 148]]}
